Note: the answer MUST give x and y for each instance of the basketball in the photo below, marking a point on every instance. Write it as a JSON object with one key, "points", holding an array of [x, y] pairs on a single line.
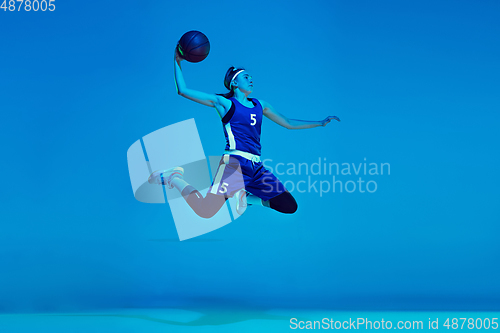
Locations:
{"points": [[194, 46]]}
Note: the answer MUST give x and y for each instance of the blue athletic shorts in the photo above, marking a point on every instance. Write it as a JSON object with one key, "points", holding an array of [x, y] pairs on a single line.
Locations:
{"points": [[236, 172]]}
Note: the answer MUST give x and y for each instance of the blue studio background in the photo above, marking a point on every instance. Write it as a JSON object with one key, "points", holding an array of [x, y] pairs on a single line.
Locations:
{"points": [[415, 84]]}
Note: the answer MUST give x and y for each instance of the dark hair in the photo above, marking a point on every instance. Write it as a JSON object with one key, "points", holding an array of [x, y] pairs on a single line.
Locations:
{"points": [[231, 72]]}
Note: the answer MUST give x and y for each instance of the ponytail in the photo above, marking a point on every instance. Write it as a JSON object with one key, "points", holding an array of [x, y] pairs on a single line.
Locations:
{"points": [[228, 78]]}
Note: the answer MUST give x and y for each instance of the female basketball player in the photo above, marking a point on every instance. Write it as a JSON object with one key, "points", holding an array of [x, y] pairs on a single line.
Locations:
{"points": [[240, 169]]}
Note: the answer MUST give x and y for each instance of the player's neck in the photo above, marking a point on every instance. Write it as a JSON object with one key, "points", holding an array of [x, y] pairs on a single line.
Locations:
{"points": [[241, 97]]}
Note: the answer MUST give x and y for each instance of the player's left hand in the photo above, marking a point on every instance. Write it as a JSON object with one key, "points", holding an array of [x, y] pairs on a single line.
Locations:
{"points": [[328, 119]]}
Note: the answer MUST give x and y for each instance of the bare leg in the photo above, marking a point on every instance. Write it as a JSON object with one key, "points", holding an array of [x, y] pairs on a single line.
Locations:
{"points": [[205, 207], [255, 200]]}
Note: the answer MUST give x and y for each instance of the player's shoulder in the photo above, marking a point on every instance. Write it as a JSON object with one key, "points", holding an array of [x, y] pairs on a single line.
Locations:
{"points": [[263, 103], [225, 102]]}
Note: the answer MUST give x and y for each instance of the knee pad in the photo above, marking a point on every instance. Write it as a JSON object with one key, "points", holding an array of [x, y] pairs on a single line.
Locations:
{"points": [[284, 203]]}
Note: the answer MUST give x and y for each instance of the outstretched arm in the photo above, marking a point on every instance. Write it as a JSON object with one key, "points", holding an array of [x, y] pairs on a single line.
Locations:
{"points": [[284, 121], [220, 103]]}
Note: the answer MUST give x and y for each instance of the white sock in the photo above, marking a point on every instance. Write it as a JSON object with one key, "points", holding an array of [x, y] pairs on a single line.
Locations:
{"points": [[179, 183]]}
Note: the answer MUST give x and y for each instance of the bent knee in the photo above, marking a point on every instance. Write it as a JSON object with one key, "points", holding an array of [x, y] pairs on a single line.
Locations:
{"points": [[294, 208], [284, 203], [206, 214], [290, 208]]}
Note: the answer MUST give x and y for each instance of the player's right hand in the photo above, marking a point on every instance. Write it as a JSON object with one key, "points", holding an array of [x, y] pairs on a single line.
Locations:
{"points": [[177, 55]]}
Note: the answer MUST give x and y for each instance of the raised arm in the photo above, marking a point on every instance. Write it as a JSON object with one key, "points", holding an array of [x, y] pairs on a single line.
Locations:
{"points": [[284, 121], [220, 103]]}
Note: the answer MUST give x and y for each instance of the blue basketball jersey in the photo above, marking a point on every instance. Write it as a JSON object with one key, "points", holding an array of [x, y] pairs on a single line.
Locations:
{"points": [[242, 126]]}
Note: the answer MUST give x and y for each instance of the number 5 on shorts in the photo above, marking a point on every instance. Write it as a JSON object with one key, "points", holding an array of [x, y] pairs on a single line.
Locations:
{"points": [[223, 188]]}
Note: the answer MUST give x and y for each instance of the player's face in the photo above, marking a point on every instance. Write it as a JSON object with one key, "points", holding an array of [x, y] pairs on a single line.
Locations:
{"points": [[244, 82]]}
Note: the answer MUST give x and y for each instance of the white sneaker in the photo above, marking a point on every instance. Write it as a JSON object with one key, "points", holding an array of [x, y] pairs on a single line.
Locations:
{"points": [[241, 201], [165, 176]]}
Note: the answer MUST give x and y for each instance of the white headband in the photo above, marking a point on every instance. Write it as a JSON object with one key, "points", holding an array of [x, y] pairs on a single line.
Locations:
{"points": [[234, 77]]}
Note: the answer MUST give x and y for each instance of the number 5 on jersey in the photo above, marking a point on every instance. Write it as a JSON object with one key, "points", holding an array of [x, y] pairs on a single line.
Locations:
{"points": [[254, 121]]}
